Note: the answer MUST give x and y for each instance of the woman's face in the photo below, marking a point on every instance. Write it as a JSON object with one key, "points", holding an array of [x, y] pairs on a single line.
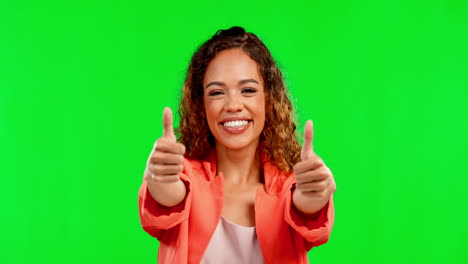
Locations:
{"points": [[234, 99]]}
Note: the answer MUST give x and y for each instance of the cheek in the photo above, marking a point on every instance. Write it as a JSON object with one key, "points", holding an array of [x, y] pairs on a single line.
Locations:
{"points": [[211, 113], [261, 108]]}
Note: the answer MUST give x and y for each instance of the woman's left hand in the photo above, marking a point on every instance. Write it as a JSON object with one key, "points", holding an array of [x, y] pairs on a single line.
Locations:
{"points": [[314, 181]]}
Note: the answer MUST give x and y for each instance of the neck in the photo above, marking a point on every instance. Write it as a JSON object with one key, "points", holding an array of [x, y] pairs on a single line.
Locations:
{"points": [[240, 166]]}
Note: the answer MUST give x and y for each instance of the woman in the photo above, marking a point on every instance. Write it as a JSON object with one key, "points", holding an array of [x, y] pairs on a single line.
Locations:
{"points": [[237, 188]]}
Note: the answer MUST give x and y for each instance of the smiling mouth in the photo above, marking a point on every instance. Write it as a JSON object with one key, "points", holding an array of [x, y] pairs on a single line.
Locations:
{"points": [[236, 123]]}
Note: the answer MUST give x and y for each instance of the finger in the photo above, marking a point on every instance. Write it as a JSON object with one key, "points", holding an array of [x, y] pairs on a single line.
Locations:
{"points": [[166, 158], [150, 177], [160, 169], [312, 176], [167, 123], [308, 149], [315, 194], [311, 164], [166, 178], [169, 146], [313, 186]]}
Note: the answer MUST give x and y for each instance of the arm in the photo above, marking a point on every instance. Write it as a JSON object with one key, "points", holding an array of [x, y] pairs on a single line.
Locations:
{"points": [[168, 194], [157, 219], [315, 228], [164, 197], [309, 206], [306, 204]]}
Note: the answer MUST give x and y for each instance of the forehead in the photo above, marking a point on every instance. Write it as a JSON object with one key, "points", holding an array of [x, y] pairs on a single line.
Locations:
{"points": [[231, 66]]}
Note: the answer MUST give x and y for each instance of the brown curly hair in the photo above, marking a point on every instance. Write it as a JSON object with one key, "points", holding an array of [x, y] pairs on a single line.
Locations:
{"points": [[278, 139]]}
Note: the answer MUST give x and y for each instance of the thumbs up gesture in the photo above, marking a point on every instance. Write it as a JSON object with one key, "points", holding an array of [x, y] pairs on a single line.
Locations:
{"points": [[314, 180], [165, 161]]}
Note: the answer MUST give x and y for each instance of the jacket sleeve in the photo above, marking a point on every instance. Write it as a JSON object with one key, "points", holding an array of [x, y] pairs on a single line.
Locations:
{"points": [[315, 228], [158, 220]]}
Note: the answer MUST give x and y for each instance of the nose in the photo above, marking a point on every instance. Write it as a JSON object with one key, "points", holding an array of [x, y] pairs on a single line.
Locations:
{"points": [[233, 103]]}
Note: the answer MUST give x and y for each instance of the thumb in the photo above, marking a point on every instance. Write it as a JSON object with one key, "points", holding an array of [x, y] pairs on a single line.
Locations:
{"points": [[308, 148], [167, 123]]}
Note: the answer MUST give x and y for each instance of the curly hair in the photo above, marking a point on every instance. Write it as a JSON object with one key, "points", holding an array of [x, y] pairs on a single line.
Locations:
{"points": [[278, 139]]}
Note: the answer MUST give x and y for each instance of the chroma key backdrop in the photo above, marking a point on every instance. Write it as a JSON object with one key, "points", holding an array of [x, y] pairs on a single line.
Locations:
{"points": [[83, 85]]}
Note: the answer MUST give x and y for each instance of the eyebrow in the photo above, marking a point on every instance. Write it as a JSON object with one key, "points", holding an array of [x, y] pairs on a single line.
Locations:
{"points": [[240, 82]]}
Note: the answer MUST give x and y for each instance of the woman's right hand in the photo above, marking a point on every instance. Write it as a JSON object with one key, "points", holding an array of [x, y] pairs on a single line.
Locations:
{"points": [[165, 160]]}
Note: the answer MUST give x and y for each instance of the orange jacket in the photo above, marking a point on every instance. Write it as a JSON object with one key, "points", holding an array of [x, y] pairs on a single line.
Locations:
{"points": [[184, 231]]}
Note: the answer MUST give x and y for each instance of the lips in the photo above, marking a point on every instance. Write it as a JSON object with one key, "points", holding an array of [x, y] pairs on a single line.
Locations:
{"points": [[235, 125]]}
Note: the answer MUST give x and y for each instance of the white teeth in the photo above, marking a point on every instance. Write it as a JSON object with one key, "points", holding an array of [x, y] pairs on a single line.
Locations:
{"points": [[236, 123]]}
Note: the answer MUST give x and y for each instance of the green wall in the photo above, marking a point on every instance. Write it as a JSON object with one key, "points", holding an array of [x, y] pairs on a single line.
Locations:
{"points": [[83, 85]]}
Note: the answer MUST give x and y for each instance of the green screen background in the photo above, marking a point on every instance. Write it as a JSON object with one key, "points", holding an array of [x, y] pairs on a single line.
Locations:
{"points": [[83, 85]]}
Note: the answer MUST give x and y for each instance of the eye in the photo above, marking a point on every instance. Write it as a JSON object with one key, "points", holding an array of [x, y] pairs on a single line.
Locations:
{"points": [[249, 90], [215, 93]]}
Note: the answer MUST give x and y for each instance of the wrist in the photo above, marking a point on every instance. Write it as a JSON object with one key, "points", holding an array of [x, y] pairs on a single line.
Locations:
{"points": [[306, 204], [168, 194]]}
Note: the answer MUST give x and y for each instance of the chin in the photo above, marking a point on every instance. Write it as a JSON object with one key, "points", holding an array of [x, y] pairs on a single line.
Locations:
{"points": [[237, 144]]}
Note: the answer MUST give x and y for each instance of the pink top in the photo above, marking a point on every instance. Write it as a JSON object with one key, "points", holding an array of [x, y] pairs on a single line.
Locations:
{"points": [[233, 244]]}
